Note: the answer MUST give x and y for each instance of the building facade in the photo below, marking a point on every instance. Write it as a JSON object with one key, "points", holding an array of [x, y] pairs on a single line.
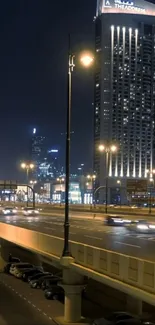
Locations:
{"points": [[124, 104]]}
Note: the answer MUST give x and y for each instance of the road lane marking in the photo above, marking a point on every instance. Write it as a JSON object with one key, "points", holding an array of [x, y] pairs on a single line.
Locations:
{"points": [[49, 228], [93, 237], [126, 244]]}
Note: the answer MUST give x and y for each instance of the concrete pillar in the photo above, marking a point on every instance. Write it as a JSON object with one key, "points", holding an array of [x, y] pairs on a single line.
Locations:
{"points": [[134, 305], [72, 312], [73, 284]]}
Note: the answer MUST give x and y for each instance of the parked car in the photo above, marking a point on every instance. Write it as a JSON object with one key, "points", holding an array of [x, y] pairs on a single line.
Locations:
{"points": [[30, 212], [37, 276], [48, 282], [30, 272], [13, 259], [54, 293], [121, 318], [114, 318], [38, 282], [17, 267], [8, 265]]}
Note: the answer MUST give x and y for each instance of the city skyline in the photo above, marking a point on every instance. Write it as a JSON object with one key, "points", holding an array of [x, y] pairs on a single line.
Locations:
{"points": [[33, 74]]}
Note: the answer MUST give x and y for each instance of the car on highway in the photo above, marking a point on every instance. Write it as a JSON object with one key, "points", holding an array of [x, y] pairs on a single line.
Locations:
{"points": [[38, 282], [9, 211], [48, 282], [30, 272], [114, 220], [30, 212], [54, 293], [16, 268], [37, 276], [141, 226]]}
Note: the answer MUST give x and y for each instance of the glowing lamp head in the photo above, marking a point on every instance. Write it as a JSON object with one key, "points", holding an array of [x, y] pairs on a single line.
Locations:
{"points": [[86, 60], [101, 147], [31, 166], [23, 165], [113, 148]]}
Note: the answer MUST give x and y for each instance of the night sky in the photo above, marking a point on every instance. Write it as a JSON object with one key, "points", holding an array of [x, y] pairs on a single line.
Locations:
{"points": [[33, 75]]}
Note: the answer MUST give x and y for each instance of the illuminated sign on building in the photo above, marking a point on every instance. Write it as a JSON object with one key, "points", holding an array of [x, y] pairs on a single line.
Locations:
{"points": [[125, 6]]}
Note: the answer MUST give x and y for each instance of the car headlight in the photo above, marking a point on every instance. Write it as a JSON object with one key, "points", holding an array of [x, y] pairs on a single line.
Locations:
{"points": [[143, 227], [118, 220], [36, 211], [14, 211], [152, 226]]}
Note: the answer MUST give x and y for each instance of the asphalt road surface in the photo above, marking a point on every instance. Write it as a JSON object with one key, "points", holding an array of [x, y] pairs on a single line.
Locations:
{"points": [[17, 307], [91, 232]]}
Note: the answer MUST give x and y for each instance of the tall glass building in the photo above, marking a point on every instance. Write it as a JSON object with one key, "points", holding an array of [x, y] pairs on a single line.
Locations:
{"points": [[124, 105], [37, 151]]}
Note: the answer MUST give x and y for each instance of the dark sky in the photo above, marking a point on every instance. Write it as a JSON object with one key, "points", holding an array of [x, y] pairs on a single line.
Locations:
{"points": [[33, 74]]}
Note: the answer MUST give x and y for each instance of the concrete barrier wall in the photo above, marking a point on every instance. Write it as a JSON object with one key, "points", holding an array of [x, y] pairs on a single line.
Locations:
{"points": [[136, 272]]}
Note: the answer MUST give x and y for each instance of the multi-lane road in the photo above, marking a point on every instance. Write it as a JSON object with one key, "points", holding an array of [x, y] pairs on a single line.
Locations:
{"points": [[91, 232]]}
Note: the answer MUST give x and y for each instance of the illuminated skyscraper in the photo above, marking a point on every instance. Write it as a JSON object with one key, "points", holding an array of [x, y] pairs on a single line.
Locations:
{"points": [[125, 86], [38, 150]]}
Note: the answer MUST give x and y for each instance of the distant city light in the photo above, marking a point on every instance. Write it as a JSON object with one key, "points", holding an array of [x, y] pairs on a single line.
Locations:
{"points": [[34, 131], [53, 150]]}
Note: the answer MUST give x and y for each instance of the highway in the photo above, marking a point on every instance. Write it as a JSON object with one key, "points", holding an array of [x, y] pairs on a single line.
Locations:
{"points": [[91, 232]]}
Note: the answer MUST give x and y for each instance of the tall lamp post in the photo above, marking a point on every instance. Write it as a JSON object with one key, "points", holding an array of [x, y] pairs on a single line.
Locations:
{"points": [[60, 180], [85, 60], [151, 174], [107, 149], [92, 179], [119, 183], [27, 167]]}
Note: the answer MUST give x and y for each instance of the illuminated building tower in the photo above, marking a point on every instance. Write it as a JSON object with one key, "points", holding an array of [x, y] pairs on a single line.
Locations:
{"points": [[125, 87], [38, 150]]}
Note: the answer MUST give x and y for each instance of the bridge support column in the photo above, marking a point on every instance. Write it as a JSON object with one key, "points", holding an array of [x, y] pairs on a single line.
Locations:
{"points": [[73, 284], [134, 305]]}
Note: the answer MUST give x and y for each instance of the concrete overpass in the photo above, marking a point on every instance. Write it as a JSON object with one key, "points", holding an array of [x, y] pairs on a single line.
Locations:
{"points": [[135, 277]]}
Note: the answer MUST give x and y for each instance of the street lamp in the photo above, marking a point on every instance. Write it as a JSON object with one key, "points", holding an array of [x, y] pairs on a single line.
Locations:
{"points": [[86, 62], [119, 183], [27, 167], [60, 180], [33, 182], [92, 179], [107, 148]]}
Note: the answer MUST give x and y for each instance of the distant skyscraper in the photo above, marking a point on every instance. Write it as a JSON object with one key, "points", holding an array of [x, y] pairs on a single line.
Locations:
{"points": [[38, 149], [124, 105]]}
